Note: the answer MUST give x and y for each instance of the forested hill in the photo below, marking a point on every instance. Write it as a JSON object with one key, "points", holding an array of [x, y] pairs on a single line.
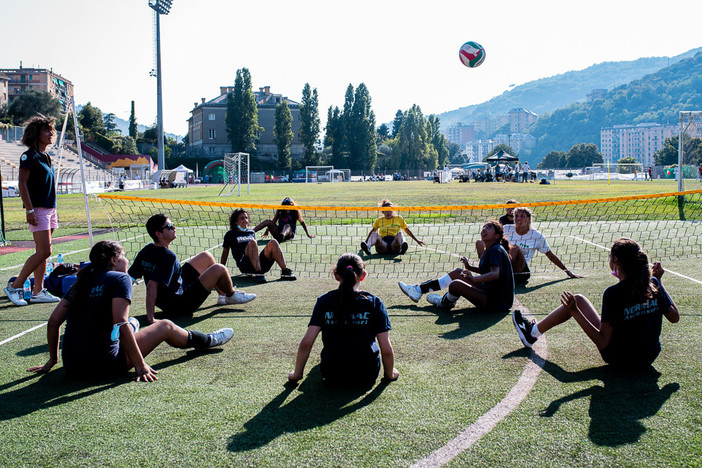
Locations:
{"points": [[549, 94], [658, 98]]}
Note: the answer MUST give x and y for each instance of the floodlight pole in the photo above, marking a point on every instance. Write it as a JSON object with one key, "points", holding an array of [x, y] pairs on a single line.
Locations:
{"points": [[160, 7]]}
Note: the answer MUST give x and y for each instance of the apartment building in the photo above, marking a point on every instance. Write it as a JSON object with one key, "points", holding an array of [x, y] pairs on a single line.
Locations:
{"points": [[639, 141], [207, 130], [521, 120], [21, 80], [460, 133]]}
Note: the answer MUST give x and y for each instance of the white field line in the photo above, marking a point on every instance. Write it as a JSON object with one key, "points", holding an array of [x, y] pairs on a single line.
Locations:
{"points": [[667, 270], [23, 333], [485, 423]]}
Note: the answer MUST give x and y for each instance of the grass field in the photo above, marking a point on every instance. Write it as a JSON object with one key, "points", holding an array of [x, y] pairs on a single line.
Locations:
{"points": [[230, 407]]}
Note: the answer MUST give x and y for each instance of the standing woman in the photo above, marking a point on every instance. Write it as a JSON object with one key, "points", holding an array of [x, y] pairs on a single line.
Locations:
{"points": [[37, 187]]}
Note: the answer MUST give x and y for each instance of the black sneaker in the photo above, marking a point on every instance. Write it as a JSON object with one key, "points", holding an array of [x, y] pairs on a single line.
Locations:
{"points": [[287, 275], [523, 327], [365, 248], [404, 247]]}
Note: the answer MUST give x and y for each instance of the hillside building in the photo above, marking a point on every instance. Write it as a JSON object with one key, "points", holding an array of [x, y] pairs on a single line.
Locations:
{"points": [[599, 93], [21, 80], [519, 142], [460, 133], [521, 120], [639, 141], [207, 129], [4, 87]]}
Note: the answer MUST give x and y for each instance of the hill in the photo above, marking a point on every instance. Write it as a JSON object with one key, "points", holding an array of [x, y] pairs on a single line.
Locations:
{"points": [[548, 94], [657, 97]]}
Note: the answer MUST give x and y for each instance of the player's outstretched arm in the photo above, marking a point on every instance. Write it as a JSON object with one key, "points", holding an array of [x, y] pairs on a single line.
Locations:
{"points": [[303, 353], [53, 331]]}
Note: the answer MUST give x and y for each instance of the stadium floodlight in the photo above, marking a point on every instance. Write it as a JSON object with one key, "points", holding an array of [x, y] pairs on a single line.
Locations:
{"points": [[160, 7]]}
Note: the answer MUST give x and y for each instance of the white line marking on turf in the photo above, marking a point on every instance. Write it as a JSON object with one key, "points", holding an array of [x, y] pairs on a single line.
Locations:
{"points": [[23, 333], [497, 413], [667, 269]]}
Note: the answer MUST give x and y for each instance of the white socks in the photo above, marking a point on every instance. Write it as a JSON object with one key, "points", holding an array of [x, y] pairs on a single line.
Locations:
{"points": [[535, 331], [444, 281]]}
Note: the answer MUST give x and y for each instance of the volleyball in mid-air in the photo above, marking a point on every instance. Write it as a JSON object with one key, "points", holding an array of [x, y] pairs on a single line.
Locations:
{"points": [[471, 54]]}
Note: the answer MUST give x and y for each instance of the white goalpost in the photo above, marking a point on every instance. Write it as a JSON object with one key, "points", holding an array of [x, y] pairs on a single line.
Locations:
{"points": [[236, 172], [317, 173]]}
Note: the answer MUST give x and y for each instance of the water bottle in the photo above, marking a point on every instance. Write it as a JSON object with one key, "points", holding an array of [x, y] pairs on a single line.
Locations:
{"points": [[49, 267], [27, 290], [59, 259]]}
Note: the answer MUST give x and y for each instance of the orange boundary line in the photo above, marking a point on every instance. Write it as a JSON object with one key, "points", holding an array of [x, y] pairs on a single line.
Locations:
{"points": [[395, 208]]}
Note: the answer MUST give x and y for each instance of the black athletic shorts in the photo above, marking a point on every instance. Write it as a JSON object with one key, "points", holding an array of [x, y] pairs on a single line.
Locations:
{"points": [[194, 293], [389, 240], [95, 365], [523, 276], [246, 267]]}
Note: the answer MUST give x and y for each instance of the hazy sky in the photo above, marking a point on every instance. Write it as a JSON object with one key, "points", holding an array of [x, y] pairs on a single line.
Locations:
{"points": [[406, 52]]}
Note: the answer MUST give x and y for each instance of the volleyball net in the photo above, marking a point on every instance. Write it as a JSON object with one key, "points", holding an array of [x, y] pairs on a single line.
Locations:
{"points": [[579, 232]]}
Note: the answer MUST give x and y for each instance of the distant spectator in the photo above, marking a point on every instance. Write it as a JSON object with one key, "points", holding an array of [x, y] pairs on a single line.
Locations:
{"points": [[526, 170]]}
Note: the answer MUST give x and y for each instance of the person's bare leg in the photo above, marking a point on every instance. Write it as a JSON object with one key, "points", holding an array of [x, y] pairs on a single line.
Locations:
{"points": [[251, 251], [36, 263], [474, 295], [561, 314], [272, 250]]}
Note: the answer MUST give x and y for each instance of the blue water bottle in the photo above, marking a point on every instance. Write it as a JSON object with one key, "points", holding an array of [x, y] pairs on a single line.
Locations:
{"points": [[59, 259], [49, 266], [27, 290]]}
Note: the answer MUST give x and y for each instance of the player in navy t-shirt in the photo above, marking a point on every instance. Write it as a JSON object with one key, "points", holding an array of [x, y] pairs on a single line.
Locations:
{"points": [[354, 326], [628, 332], [180, 290], [101, 338], [284, 223], [492, 290], [241, 241]]}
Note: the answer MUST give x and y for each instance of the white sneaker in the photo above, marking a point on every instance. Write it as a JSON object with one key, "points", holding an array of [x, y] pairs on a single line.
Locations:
{"points": [[440, 301], [239, 297], [221, 336], [43, 297], [411, 290], [15, 295], [221, 299]]}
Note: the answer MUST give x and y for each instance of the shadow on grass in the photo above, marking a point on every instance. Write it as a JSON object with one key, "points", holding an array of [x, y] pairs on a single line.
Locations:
{"points": [[468, 321], [57, 388], [618, 406], [317, 404], [525, 288]]}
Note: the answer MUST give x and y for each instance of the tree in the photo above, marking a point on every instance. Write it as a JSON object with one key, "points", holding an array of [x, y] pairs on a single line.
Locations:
{"points": [[627, 169], [282, 130], [242, 114], [360, 130], [383, 132], [334, 138], [413, 149], [31, 103], [553, 160], [455, 155], [668, 155], [90, 118], [397, 123], [583, 155], [109, 122], [150, 135], [437, 139], [309, 121], [133, 128]]}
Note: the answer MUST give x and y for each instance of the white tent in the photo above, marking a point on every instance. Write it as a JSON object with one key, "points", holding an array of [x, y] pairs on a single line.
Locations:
{"points": [[182, 168]]}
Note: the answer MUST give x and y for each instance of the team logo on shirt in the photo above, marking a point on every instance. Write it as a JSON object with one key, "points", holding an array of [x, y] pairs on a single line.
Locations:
{"points": [[97, 290], [23, 158]]}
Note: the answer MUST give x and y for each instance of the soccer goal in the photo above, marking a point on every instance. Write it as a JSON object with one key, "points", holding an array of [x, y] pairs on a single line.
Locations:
{"points": [[690, 126], [616, 171], [236, 172], [339, 175], [318, 173]]}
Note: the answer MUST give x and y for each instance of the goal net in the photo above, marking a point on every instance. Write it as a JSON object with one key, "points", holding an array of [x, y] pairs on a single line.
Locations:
{"points": [[318, 173], [236, 173], [580, 232]]}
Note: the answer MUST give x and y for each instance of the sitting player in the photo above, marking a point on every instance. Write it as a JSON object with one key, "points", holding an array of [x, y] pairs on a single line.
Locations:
{"points": [[529, 240], [180, 290], [386, 234], [493, 290], [241, 240], [101, 339], [354, 326], [284, 223], [627, 334]]}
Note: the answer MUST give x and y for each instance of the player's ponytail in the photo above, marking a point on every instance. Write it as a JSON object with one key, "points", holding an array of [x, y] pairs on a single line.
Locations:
{"points": [[100, 256], [349, 269], [632, 260]]}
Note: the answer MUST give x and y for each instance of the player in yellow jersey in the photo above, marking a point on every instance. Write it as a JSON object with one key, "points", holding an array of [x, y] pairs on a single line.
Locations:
{"points": [[386, 234]]}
